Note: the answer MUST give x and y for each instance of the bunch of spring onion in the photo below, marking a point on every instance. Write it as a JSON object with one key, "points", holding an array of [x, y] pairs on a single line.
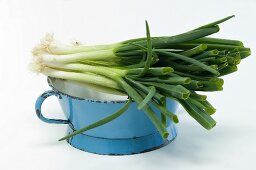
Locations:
{"points": [[148, 70]]}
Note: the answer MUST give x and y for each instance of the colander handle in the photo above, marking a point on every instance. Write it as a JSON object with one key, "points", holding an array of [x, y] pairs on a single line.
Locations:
{"points": [[38, 106]]}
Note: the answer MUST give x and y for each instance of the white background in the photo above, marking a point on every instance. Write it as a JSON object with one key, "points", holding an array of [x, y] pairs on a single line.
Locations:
{"points": [[27, 143]]}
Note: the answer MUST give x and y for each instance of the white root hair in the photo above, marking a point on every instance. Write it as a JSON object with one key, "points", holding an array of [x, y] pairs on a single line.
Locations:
{"points": [[45, 45]]}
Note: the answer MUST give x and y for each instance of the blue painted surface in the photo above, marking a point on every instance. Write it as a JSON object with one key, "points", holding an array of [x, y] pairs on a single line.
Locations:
{"points": [[130, 133], [125, 146]]}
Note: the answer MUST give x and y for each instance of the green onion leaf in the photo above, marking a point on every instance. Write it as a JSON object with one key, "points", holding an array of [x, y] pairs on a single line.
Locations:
{"points": [[149, 52], [147, 98], [190, 60], [216, 22]]}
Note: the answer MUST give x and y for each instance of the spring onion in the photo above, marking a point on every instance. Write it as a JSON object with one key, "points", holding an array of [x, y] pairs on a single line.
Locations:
{"points": [[148, 70]]}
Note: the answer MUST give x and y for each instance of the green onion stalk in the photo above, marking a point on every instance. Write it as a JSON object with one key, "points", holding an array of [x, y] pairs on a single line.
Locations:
{"points": [[149, 70]]}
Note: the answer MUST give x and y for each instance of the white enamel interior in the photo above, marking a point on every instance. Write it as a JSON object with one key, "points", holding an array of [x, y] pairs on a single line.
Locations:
{"points": [[75, 89]]}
